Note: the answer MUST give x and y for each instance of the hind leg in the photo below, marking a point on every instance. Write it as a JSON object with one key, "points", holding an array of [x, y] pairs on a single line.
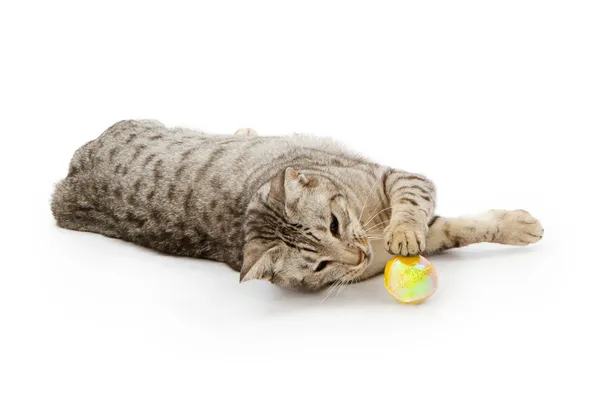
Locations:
{"points": [[72, 210], [88, 221], [516, 228]]}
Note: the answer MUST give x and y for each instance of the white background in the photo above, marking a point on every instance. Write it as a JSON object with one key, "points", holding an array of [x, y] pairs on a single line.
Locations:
{"points": [[497, 102]]}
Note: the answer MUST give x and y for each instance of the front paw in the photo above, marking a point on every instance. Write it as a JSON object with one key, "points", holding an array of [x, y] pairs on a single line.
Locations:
{"points": [[517, 228], [404, 239]]}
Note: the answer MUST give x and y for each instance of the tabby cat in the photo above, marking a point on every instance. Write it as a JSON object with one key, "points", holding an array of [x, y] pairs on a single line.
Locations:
{"points": [[298, 211]]}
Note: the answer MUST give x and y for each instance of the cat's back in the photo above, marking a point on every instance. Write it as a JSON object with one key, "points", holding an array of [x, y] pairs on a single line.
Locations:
{"points": [[148, 146], [130, 142]]}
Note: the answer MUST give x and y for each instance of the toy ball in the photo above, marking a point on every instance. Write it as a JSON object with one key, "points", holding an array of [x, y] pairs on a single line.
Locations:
{"points": [[410, 280]]}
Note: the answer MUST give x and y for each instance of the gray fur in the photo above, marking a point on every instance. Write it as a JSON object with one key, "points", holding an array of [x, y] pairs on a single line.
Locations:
{"points": [[263, 205]]}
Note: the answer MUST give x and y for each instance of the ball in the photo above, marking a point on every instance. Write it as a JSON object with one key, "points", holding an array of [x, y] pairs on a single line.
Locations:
{"points": [[410, 280]]}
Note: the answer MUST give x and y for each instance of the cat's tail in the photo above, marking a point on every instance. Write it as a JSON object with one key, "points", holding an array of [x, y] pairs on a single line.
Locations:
{"points": [[495, 226]]}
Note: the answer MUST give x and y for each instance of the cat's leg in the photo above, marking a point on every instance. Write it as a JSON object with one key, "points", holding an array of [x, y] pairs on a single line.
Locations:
{"points": [[248, 132], [412, 201], [517, 228], [72, 210]]}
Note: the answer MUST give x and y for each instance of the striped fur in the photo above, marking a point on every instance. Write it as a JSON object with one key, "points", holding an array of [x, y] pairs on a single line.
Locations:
{"points": [[263, 205]]}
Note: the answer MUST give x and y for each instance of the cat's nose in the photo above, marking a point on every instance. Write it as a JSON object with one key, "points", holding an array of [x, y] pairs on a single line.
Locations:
{"points": [[355, 255], [363, 254]]}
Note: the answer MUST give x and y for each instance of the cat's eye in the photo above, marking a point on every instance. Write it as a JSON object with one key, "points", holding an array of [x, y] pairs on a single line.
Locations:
{"points": [[322, 265], [334, 226]]}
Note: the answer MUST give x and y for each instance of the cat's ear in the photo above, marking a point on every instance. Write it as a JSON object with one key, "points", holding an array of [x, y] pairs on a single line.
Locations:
{"points": [[259, 260], [287, 186]]}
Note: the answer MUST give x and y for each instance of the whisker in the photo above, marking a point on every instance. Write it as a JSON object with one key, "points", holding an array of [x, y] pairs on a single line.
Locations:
{"points": [[367, 199], [385, 209], [327, 293], [340, 288], [330, 291], [374, 211], [374, 234], [370, 229], [335, 289]]}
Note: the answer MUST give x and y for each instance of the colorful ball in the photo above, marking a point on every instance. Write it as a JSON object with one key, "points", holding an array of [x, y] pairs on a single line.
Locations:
{"points": [[410, 280]]}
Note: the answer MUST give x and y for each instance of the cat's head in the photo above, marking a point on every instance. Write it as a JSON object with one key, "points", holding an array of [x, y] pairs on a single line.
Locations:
{"points": [[302, 233]]}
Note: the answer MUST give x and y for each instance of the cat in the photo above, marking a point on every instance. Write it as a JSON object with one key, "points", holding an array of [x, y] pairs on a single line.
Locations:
{"points": [[301, 212]]}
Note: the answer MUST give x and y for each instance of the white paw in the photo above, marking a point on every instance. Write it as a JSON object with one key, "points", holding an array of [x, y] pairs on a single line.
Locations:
{"points": [[518, 228], [245, 132], [404, 239]]}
